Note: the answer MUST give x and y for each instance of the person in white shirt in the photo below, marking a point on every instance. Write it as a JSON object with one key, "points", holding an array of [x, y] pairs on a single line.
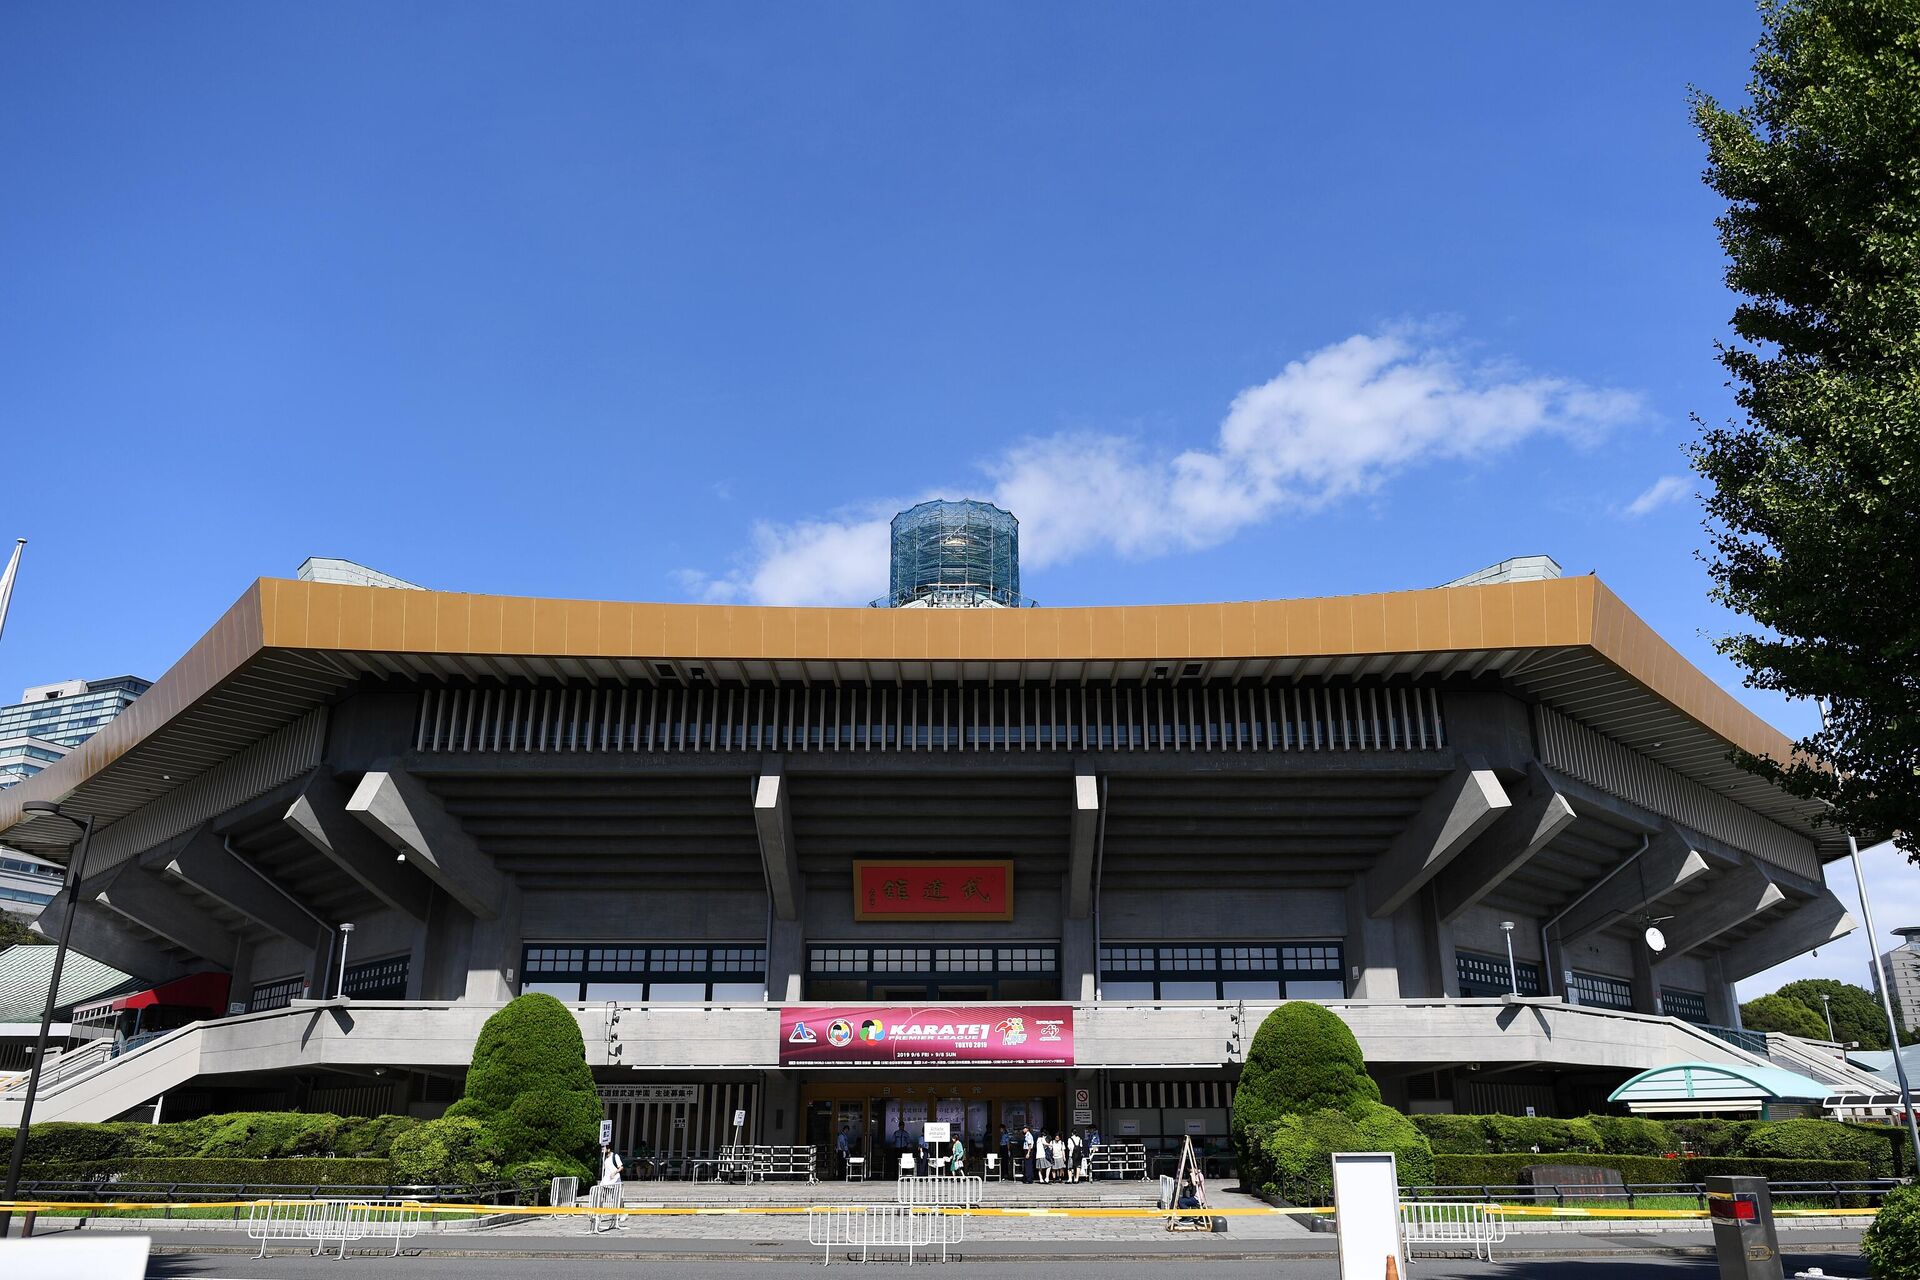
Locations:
{"points": [[608, 1189]]}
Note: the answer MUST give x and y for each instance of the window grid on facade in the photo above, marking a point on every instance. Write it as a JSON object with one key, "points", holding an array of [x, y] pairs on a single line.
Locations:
{"points": [[275, 995], [1600, 991], [377, 979], [1482, 976], [1253, 971], [1688, 1006], [962, 972], [573, 973]]}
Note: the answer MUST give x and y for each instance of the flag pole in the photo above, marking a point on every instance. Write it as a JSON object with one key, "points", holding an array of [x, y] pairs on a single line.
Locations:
{"points": [[6, 581]]}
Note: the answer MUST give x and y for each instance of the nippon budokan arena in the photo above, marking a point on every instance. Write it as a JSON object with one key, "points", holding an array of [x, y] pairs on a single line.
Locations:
{"points": [[948, 857]]}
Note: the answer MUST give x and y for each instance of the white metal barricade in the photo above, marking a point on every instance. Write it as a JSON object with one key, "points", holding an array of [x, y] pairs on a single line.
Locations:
{"points": [[944, 1191], [323, 1221], [604, 1195], [884, 1228], [1453, 1224], [1118, 1160]]}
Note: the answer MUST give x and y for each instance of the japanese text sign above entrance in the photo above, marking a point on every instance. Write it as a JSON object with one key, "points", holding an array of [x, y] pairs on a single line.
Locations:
{"points": [[887, 890], [1013, 1035]]}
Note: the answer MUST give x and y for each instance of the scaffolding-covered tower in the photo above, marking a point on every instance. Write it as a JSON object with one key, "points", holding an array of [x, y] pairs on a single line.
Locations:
{"points": [[955, 555]]}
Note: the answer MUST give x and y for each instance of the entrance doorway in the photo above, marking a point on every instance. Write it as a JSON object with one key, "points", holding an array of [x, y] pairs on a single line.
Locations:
{"points": [[883, 1118]]}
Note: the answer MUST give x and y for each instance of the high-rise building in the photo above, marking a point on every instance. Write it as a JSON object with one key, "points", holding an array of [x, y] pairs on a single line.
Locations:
{"points": [[1902, 965], [52, 719]]}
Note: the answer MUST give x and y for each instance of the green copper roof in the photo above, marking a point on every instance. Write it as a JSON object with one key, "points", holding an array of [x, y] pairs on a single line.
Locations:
{"points": [[1715, 1081]]}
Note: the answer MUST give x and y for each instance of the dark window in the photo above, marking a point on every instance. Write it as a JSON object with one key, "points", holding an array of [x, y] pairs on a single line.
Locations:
{"points": [[968, 971], [636, 973], [1190, 971], [1600, 991], [1688, 1006], [377, 979], [275, 995], [1482, 976]]}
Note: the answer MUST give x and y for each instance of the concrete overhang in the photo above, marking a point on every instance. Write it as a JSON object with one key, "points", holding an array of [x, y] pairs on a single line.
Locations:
{"points": [[286, 647]]}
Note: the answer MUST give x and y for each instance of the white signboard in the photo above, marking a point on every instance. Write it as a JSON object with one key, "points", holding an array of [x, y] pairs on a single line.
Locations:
{"points": [[739, 1118], [1083, 1115], [106, 1255], [606, 1133], [937, 1131], [1366, 1203]]}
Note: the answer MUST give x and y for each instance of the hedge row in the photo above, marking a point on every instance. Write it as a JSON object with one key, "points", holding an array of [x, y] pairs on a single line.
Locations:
{"points": [[238, 1135], [292, 1172], [1510, 1170], [1882, 1148]]}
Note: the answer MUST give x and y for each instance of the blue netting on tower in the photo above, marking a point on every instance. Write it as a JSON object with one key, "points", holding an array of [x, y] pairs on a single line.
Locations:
{"points": [[955, 555]]}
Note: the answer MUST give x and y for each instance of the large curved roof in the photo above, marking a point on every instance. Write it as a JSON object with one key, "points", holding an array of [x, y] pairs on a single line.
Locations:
{"points": [[286, 647]]}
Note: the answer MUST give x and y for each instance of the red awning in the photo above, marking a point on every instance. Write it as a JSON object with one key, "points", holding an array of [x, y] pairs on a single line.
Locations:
{"points": [[195, 991]]}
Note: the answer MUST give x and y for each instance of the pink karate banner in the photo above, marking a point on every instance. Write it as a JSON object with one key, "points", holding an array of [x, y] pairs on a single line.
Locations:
{"points": [[891, 1035]]}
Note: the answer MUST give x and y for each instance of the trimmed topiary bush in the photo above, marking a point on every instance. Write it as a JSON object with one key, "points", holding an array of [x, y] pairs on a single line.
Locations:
{"points": [[267, 1133], [529, 1084], [1302, 1059], [1632, 1135], [1297, 1150], [1453, 1135], [1710, 1137], [1510, 1170], [456, 1149], [1892, 1244]]}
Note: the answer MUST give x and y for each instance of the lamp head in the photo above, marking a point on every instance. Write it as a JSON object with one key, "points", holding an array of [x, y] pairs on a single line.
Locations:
{"points": [[1656, 940], [40, 806], [346, 928]]}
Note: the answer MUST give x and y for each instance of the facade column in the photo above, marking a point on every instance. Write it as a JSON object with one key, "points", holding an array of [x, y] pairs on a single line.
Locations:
{"points": [[786, 957], [1079, 963], [1373, 970], [1646, 989]]}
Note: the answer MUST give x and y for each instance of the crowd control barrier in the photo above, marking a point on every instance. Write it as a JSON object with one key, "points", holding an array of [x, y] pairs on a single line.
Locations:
{"points": [[1119, 1160], [899, 1229], [947, 1191], [320, 1222], [747, 1162], [1453, 1224]]}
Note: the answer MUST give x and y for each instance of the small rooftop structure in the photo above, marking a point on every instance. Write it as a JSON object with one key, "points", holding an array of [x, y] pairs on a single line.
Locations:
{"points": [[1518, 569], [1712, 1086], [955, 555], [349, 573]]}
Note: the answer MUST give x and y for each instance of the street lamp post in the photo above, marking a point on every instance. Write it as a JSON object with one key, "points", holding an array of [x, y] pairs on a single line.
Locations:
{"points": [[1513, 969], [1826, 1007], [340, 984], [76, 868], [1880, 980]]}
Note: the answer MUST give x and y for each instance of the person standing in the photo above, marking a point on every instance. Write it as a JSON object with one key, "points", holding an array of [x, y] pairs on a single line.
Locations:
{"points": [[1059, 1158], [842, 1148], [1027, 1170], [606, 1192], [959, 1162], [1076, 1152]]}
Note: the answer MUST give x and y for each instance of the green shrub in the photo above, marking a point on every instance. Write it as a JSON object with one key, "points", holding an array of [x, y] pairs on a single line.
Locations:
{"points": [[1298, 1149], [1632, 1135], [1302, 1059], [1510, 1170], [216, 1172], [266, 1134], [1892, 1244], [1710, 1137], [530, 1085], [453, 1149], [1453, 1135], [1531, 1133], [370, 1136], [536, 1176], [1818, 1140]]}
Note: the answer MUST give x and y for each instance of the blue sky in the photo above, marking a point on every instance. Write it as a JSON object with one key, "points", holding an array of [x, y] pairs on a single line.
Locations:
{"points": [[678, 302]]}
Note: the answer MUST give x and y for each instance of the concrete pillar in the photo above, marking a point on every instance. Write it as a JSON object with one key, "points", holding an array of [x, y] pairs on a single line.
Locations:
{"points": [[1446, 961], [240, 987], [786, 958], [1373, 971], [493, 961], [1413, 947], [1646, 987], [780, 1105], [1723, 1005], [1079, 962]]}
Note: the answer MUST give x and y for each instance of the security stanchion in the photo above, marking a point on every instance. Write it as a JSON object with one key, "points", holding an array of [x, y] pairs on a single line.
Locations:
{"points": [[1744, 1238]]}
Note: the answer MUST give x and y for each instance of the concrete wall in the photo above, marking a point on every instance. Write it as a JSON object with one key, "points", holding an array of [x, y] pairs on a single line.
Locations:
{"points": [[626, 915], [1210, 914]]}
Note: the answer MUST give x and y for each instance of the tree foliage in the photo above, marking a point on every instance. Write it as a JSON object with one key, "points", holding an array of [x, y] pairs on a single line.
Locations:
{"points": [[1814, 498], [1857, 1014], [15, 933], [1782, 1013], [1302, 1059], [1892, 1244], [530, 1085]]}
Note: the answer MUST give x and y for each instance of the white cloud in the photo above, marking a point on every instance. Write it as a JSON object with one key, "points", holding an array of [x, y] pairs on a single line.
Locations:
{"points": [[1338, 423], [1663, 492]]}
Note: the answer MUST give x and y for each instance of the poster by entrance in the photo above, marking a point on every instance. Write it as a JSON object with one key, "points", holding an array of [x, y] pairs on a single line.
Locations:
{"points": [[1011, 1035]]}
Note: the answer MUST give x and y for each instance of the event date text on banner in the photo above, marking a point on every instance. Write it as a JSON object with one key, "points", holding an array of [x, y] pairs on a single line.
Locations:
{"points": [[892, 888], [889, 1035]]}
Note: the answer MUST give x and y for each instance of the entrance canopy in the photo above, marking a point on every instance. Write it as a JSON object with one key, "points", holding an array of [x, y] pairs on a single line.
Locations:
{"points": [[1709, 1086]]}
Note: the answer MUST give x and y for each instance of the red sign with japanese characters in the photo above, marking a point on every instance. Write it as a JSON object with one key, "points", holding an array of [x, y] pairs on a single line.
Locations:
{"points": [[932, 890]]}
